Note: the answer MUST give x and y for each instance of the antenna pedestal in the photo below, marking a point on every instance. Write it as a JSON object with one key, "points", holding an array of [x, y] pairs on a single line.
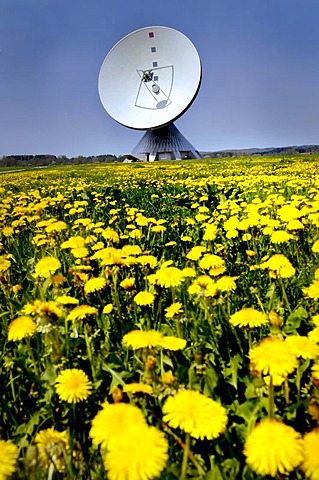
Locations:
{"points": [[165, 143]]}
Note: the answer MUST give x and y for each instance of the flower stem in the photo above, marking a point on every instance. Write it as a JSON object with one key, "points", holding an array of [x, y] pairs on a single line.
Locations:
{"points": [[271, 398], [285, 294], [185, 457]]}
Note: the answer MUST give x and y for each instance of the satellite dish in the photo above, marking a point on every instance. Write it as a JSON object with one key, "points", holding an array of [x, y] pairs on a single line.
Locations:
{"points": [[148, 80]]}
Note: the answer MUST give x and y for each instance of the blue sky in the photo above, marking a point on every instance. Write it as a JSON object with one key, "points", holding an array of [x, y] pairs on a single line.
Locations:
{"points": [[260, 61]]}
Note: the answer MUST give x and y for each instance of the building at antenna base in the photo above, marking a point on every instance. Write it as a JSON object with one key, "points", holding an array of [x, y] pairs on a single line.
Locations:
{"points": [[165, 143]]}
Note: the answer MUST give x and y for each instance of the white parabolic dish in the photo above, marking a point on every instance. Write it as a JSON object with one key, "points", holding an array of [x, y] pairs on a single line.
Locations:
{"points": [[150, 78]]}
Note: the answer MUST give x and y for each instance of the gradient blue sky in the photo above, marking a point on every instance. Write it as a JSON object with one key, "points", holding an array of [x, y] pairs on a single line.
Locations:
{"points": [[260, 62]]}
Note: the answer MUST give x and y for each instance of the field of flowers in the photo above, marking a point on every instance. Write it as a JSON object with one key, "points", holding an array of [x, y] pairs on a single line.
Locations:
{"points": [[160, 321]]}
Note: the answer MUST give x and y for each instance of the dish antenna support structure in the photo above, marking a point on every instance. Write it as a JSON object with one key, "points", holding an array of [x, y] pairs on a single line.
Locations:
{"points": [[148, 80]]}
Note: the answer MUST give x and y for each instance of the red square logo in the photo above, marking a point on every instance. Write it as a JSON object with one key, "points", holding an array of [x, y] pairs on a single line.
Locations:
{"points": [[151, 34]]}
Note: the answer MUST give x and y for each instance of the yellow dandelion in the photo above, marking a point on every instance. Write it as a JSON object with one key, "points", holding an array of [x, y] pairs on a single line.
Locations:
{"points": [[302, 346], [114, 418], [226, 284], [315, 320], [67, 300], [40, 309], [312, 291], [73, 385], [142, 339], [273, 447], [95, 284], [273, 356], [74, 242], [315, 371], [138, 388], [128, 250], [82, 311], [189, 272], [169, 277], [279, 266], [295, 225], [9, 454], [5, 263], [111, 235], [196, 414], [108, 309], [315, 247], [173, 343], [186, 238], [210, 232], [81, 252], [21, 327], [52, 447], [280, 236], [144, 298], [196, 252], [130, 458], [288, 212], [213, 263], [7, 231], [128, 283], [149, 260], [310, 462], [173, 310], [248, 317], [313, 335]]}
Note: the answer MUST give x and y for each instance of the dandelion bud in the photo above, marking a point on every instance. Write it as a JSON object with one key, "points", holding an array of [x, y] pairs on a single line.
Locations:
{"points": [[274, 319], [168, 378], [117, 394], [150, 363]]}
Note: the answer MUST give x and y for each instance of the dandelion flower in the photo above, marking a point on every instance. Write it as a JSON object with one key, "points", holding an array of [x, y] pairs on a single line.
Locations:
{"points": [[313, 335], [112, 420], [40, 309], [74, 242], [5, 264], [273, 447], [279, 266], [280, 236], [142, 339], [196, 414], [173, 343], [226, 284], [196, 252], [315, 247], [315, 371], [82, 311], [21, 327], [67, 300], [95, 284], [46, 267], [108, 309], [81, 252], [302, 346], [73, 385], [128, 283], [248, 317], [310, 463], [144, 298], [9, 454], [273, 356], [138, 388], [52, 446], [213, 263], [210, 232], [169, 277], [129, 458], [173, 310], [313, 290]]}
